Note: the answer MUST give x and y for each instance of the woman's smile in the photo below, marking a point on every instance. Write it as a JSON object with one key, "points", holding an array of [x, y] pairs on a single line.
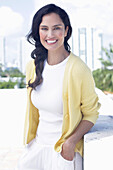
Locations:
{"points": [[51, 41]]}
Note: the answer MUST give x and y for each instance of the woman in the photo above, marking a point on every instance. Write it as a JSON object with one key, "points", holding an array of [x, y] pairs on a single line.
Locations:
{"points": [[62, 104]]}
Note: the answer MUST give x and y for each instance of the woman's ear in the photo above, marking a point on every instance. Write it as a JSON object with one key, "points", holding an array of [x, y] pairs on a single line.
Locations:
{"points": [[66, 31]]}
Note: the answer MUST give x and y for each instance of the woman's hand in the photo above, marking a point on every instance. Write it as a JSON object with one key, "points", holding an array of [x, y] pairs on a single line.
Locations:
{"points": [[69, 145], [68, 150]]}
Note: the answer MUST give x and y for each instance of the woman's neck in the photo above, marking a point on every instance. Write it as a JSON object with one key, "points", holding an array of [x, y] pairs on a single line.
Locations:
{"points": [[57, 57]]}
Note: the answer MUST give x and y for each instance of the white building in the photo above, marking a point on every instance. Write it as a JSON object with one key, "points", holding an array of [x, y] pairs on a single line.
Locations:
{"points": [[87, 44]]}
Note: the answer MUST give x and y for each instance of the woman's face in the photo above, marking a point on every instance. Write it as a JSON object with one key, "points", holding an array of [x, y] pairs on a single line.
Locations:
{"points": [[52, 32]]}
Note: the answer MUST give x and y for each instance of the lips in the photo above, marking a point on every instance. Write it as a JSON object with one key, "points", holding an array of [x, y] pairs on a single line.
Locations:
{"points": [[51, 41]]}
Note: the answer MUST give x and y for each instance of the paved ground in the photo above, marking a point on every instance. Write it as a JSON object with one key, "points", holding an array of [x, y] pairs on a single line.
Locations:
{"points": [[9, 157]]}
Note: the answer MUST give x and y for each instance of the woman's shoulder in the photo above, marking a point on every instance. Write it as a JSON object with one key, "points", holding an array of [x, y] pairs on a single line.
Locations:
{"points": [[78, 64], [30, 65], [78, 69], [30, 70]]}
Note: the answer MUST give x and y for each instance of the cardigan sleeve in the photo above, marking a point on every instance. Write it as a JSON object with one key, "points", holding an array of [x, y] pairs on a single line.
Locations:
{"points": [[89, 98]]}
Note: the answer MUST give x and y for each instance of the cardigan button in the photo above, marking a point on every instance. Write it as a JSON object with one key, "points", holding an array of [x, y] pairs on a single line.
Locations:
{"points": [[66, 116]]}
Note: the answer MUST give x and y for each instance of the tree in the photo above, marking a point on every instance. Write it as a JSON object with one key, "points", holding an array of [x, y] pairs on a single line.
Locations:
{"points": [[16, 77], [104, 76], [7, 85], [14, 72], [108, 62]]}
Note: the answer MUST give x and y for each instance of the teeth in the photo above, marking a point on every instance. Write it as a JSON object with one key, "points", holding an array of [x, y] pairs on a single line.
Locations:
{"points": [[51, 41]]}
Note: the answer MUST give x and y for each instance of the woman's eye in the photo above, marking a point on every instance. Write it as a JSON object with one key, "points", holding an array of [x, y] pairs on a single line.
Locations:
{"points": [[57, 28], [44, 29]]}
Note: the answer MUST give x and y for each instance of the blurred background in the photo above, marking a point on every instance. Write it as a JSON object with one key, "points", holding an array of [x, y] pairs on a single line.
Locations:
{"points": [[92, 41]]}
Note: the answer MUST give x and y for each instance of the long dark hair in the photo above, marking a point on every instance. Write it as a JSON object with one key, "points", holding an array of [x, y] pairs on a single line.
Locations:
{"points": [[39, 54]]}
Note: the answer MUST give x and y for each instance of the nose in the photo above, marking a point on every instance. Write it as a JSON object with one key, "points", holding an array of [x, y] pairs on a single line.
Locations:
{"points": [[50, 33]]}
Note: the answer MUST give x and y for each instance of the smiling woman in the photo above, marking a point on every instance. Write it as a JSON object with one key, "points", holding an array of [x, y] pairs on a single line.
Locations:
{"points": [[42, 33], [62, 104]]}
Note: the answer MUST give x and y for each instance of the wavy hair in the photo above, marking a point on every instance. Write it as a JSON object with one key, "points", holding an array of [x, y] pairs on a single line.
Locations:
{"points": [[40, 53]]}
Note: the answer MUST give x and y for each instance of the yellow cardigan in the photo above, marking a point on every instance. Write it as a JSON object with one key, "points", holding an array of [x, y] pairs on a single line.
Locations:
{"points": [[79, 101]]}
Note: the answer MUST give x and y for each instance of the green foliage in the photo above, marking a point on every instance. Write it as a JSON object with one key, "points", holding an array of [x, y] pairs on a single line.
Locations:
{"points": [[104, 76], [16, 78], [3, 74], [7, 85], [13, 72], [104, 79], [108, 62], [21, 83]]}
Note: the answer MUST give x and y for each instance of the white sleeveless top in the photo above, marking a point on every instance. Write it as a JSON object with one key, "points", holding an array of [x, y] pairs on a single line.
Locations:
{"points": [[48, 99]]}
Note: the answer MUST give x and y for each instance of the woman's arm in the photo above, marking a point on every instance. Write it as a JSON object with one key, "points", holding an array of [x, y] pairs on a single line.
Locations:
{"points": [[82, 79], [69, 145]]}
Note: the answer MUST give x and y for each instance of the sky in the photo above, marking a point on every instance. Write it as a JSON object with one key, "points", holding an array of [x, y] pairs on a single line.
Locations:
{"points": [[16, 16]]}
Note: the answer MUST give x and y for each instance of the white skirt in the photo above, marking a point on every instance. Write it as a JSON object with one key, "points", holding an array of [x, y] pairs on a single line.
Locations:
{"points": [[44, 157]]}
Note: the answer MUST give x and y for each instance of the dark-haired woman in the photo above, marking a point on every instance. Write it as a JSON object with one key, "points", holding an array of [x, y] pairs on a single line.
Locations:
{"points": [[62, 104]]}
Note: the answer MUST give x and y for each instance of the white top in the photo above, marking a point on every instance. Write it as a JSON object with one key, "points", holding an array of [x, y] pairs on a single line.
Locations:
{"points": [[48, 99]]}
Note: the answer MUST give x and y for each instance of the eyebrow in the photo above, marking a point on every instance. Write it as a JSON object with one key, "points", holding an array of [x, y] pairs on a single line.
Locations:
{"points": [[53, 26]]}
